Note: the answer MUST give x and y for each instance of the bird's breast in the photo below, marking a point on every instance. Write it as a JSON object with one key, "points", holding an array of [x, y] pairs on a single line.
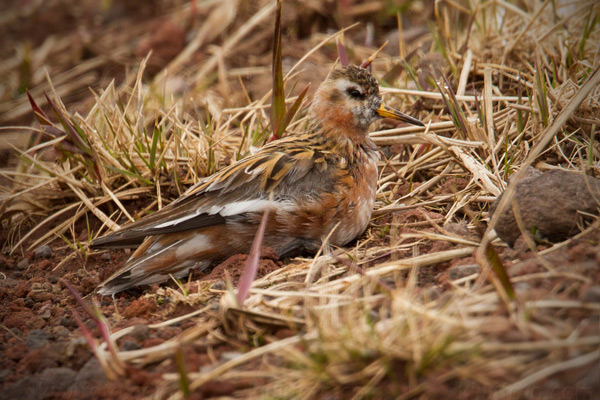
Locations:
{"points": [[344, 196], [356, 201]]}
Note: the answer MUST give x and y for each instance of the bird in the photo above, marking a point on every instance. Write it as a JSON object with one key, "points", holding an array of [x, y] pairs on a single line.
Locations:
{"points": [[311, 180]]}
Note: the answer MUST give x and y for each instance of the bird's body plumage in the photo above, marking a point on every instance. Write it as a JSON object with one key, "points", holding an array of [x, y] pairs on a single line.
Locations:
{"points": [[325, 175]]}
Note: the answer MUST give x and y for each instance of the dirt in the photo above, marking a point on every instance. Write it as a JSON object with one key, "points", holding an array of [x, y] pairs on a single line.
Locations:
{"points": [[41, 340], [41, 343]]}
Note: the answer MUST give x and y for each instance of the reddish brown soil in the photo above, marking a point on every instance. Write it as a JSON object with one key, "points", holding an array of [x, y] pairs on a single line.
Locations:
{"points": [[40, 336], [40, 339]]}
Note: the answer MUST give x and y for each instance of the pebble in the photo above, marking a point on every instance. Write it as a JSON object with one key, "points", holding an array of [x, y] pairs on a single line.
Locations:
{"points": [[90, 375], [130, 345], [106, 256], [430, 294], [8, 283], [218, 285], [36, 339], [23, 264], [60, 332], [25, 389], [51, 380], [43, 251], [551, 205], [4, 373], [56, 379], [461, 271], [140, 332], [45, 312], [592, 295]]}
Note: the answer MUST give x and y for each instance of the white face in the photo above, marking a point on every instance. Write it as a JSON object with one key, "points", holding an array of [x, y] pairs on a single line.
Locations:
{"points": [[363, 106]]}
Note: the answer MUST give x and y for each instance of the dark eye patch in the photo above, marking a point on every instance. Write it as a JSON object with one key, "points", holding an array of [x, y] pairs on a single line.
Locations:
{"points": [[355, 93]]}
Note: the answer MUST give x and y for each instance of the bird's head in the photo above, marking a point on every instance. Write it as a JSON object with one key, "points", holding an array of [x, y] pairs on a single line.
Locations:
{"points": [[349, 99]]}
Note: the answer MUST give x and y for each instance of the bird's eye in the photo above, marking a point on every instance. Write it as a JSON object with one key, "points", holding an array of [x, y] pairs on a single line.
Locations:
{"points": [[355, 93]]}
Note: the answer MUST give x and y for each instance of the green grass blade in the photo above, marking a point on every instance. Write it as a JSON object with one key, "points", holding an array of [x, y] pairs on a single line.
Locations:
{"points": [[278, 108]]}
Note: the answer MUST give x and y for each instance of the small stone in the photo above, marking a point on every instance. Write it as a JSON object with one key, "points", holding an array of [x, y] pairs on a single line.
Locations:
{"points": [[90, 375], [140, 332], [68, 322], [4, 373], [592, 295], [130, 345], [106, 256], [8, 283], [45, 312], [458, 228], [430, 294], [16, 332], [218, 285], [552, 205], [29, 302], [461, 271], [36, 339], [56, 379], [24, 388], [43, 251], [23, 264], [60, 332]]}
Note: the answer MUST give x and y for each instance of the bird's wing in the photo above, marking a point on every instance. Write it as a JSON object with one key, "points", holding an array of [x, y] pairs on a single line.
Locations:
{"points": [[237, 189]]}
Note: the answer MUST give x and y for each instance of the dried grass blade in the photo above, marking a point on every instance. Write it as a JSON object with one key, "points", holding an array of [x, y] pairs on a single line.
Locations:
{"points": [[560, 120], [373, 56]]}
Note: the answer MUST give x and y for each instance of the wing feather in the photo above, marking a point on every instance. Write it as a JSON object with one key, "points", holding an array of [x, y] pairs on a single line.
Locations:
{"points": [[239, 188]]}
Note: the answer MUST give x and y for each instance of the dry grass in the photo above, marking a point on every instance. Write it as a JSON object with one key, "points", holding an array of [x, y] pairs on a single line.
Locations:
{"points": [[515, 85]]}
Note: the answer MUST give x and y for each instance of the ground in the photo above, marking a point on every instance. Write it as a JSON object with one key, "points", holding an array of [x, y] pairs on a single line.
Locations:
{"points": [[41, 339]]}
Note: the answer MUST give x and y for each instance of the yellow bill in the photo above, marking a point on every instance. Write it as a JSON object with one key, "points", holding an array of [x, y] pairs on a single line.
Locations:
{"points": [[389, 112]]}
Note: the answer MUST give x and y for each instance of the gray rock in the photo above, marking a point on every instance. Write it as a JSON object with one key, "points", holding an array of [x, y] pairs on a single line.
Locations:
{"points": [[140, 332], [130, 345], [23, 264], [592, 295], [45, 312], [8, 283], [56, 379], [430, 293], [37, 386], [460, 271], [36, 339], [60, 332], [219, 285], [4, 373], [550, 204], [106, 256], [458, 228], [43, 252], [25, 389], [90, 375]]}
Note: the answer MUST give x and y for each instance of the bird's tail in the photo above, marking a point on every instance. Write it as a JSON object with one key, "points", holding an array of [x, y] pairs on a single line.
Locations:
{"points": [[159, 257]]}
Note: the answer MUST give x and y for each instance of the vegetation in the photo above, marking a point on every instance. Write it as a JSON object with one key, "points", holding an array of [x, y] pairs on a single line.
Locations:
{"points": [[501, 86]]}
